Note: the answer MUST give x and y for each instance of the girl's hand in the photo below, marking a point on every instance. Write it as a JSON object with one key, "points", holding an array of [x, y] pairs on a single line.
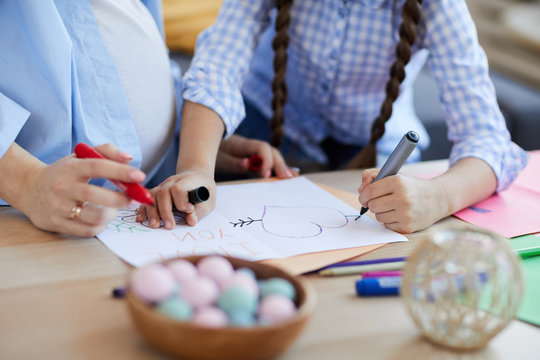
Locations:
{"points": [[53, 193], [234, 154], [403, 203], [173, 194]]}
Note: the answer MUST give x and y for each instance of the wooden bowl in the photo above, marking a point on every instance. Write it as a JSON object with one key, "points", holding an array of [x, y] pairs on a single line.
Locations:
{"points": [[188, 341]]}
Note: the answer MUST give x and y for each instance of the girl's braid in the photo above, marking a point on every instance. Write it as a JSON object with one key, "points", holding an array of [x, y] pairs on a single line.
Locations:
{"points": [[412, 10], [279, 87]]}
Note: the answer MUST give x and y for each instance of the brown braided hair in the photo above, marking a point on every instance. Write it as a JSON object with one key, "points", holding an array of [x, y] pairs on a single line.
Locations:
{"points": [[411, 12], [279, 87]]}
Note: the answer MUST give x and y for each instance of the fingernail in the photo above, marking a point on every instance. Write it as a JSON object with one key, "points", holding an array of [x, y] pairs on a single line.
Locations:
{"points": [[153, 223], [137, 175], [288, 173], [125, 155], [295, 169], [194, 215], [168, 224], [268, 174]]}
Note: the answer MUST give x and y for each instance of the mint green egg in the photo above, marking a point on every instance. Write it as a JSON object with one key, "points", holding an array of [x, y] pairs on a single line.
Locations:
{"points": [[277, 286], [237, 298], [241, 318], [175, 308]]}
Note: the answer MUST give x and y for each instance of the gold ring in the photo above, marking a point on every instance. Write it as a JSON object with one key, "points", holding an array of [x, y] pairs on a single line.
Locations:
{"points": [[76, 211]]}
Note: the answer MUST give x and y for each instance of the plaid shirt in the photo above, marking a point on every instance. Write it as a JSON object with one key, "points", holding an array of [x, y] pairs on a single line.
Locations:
{"points": [[340, 53]]}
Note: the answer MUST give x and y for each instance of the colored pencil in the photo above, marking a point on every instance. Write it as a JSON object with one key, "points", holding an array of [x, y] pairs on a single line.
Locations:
{"points": [[359, 269], [364, 262]]}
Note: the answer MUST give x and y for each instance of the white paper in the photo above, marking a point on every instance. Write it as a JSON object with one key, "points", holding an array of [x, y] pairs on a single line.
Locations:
{"points": [[253, 221]]}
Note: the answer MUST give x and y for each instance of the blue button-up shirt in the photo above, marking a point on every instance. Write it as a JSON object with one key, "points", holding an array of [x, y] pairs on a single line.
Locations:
{"points": [[58, 83], [340, 53]]}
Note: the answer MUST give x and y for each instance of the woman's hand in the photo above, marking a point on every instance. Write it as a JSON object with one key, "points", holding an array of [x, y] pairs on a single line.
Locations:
{"points": [[58, 198], [403, 203], [234, 154], [173, 194]]}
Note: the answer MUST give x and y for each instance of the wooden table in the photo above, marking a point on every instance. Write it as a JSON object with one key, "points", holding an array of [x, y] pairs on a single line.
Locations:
{"points": [[55, 303]]}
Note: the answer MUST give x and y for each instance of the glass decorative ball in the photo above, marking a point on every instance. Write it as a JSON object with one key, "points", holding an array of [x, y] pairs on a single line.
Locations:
{"points": [[462, 287]]}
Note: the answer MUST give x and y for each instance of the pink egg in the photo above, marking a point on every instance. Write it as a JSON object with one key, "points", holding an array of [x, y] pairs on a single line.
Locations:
{"points": [[215, 267], [275, 308], [183, 271], [211, 317], [153, 283], [243, 280], [200, 293]]}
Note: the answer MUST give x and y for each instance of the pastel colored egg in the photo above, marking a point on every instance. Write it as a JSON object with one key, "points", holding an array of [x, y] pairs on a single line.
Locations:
{"points": [[211, 317], [202, 292], [237, 298], [243, 280], [215, 267], [183, 271], [277, 286], [242, 319], [275, 309], [175, 308], [153, 283], [247, 271]]}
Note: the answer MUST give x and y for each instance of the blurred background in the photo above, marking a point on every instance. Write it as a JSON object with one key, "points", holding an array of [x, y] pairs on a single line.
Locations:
{"points": [[509, 32]]}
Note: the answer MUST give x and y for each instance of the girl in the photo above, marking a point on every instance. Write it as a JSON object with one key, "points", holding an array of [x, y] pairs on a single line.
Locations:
{"points": [[319, 71]]}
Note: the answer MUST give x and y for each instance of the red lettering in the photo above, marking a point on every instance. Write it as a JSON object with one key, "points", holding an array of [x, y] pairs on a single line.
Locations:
{"points": [[222, 235], [209, 236], [185, 236]]}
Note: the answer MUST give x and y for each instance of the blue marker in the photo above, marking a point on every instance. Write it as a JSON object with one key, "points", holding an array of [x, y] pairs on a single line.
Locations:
{"points": [[387, 285]]}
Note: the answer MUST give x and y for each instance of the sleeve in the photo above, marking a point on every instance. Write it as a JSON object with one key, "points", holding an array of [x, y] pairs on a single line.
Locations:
{"points": [[222, 59], [459, 65], [12, 118], [176, 72]]}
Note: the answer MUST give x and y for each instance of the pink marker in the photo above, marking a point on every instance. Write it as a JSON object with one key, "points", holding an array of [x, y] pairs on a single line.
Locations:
{"points": [[376, 274]]}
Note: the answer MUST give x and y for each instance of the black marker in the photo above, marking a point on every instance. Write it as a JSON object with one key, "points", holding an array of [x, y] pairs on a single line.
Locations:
{"points": [[198, 195], [397, 159]]}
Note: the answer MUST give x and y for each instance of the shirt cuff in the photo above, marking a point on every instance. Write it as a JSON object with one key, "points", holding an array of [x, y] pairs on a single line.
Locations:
{"points": [[12, 119], [507, 161]]}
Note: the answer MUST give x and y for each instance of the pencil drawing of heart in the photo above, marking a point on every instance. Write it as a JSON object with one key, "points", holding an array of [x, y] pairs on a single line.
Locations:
{"points": [[297, 221]]}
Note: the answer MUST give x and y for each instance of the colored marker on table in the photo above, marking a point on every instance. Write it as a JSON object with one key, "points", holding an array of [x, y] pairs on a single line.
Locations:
{"points": [[364, 262], [377, 274], [388, 285], [529, 252], [118, 292], [134, 190], [359, 269], [198, 195]]}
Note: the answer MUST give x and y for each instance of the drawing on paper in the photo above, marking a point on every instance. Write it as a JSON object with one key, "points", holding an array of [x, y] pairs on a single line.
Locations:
{"points": [[126, 222], [296, 221], [479, 210]]}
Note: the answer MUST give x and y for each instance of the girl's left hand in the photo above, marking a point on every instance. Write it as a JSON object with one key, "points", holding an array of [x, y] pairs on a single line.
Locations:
{"points": [[234, 154], [173, 194], [403, 203]]}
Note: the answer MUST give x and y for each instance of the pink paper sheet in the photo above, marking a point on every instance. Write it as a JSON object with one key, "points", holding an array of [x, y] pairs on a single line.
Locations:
{"points": [[515, 211]]}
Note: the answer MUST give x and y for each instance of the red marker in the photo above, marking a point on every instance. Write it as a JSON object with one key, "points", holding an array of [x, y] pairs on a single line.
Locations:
{"points": [[255, 163], [133, 190]]}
